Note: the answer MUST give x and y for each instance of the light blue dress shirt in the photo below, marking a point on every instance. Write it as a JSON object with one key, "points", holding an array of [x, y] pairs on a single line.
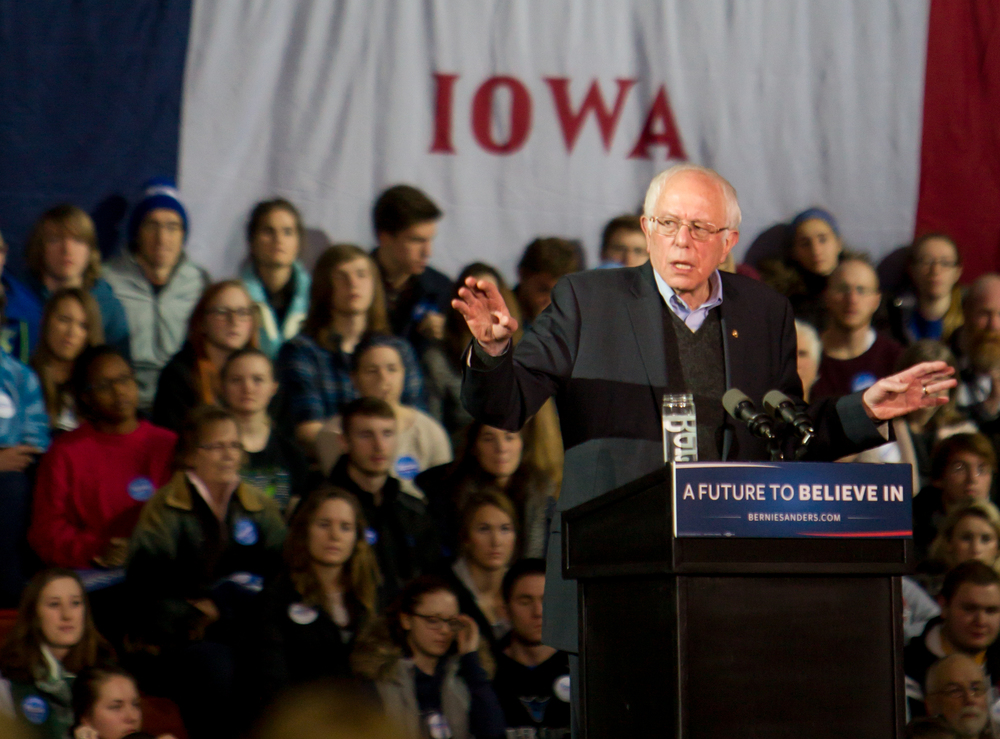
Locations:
{"points": [[692, 318]]}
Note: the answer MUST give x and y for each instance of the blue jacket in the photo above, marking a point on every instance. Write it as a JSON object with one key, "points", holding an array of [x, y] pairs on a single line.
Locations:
{"points": [[112, 314], [23, 419], [19, 332], [272, 336]]}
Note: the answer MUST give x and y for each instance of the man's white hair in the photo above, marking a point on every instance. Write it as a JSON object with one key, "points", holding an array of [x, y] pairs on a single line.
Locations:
{"points": [[815, 346], [733, 215]]}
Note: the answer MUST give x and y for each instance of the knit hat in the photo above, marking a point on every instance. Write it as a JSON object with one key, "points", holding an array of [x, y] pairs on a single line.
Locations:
{"points": [[823, 215], [159, 192]]}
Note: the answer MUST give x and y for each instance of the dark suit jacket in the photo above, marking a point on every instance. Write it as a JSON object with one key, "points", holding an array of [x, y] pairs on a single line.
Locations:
{"points": [[599, 348]]}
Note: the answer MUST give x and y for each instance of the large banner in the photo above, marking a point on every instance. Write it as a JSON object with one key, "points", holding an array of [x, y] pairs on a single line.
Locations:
{"points": [[525, 118]]}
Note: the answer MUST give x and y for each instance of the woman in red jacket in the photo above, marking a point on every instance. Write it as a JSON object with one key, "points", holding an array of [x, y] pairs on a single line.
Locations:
{"points": [[94, 480]]}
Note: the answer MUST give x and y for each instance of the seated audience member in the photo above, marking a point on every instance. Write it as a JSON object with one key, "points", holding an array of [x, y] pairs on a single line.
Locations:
{"points": [[400, 530], [493, 460], [929, 728], [802, 274], [970, 531], [809, 351], [623, 242], [314, 368], [442, 360], [532, 680], [957, 692], [855, 355], [197, 556], [156, 283], [544, 261], [94, 480], [421, 442], [487, 540], [426, 666], [52, 640], [24, 434], [977, 345], [917, 433], [969, 622], [70, 323], [62, 252], [328, 711], [15, 334], [224, 321], [961, 470], [417, 295], [275, 278], [107, 705], [933, 308], [312, 614], [274, 463]]}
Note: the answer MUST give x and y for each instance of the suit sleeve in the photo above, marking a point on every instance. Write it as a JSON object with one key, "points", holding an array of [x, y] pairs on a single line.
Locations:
{"points": [[506, 391]]}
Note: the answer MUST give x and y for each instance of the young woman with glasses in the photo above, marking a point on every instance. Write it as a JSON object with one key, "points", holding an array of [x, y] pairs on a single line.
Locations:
{"points": [[425, 661], [223, 322], [94, 480]]}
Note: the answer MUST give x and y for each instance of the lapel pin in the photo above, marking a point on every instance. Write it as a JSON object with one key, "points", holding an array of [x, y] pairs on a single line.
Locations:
{"points": [[736, 334]]}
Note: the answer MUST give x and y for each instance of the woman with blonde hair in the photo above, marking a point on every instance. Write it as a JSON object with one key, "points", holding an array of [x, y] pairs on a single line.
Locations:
{"points": [[971, 531], [347, 301], [312, 614], [70, 323], [224, 321]]}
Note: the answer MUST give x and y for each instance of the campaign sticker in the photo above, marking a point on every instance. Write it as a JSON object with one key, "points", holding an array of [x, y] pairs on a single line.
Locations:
{"points": [[437, 726], [371, 536], [302, 614], [245, 532], [561, 688], [407, 468], [35, 709], [248, 581], [141, 489], [6, 406], [862, 381]]}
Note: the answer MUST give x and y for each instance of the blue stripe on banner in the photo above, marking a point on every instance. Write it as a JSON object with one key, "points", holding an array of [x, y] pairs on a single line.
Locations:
{"points": [[91, 101]]}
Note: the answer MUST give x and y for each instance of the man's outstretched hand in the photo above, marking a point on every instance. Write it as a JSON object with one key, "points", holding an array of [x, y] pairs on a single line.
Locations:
{"points": [[921, 386], [485, 313]]}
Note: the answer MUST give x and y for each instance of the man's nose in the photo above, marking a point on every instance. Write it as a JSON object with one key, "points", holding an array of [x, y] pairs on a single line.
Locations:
{"points": [[994, 322]]}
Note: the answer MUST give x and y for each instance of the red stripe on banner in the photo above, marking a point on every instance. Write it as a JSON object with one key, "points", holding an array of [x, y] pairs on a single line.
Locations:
{"points": [[960, 152], [860, 534]]}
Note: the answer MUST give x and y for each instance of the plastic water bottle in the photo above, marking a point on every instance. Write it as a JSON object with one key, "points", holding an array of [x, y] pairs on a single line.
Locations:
{"points": [[680, 429]]}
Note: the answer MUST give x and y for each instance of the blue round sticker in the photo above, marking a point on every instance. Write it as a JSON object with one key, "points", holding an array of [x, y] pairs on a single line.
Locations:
{"points": [[245, 532], [371, 536], [141, 489], [407, 468], [35, 709], [862, 381]]}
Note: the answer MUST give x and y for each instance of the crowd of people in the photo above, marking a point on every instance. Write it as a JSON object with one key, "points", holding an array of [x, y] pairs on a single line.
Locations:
{"points": [[215, 492]]}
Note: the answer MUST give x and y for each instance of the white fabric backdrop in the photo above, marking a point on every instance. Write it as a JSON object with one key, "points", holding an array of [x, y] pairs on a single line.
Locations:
{"points": [[797, 102]]}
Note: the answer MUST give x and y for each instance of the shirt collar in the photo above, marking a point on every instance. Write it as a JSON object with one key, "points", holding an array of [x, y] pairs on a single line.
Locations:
{"points": [[681, 308], [202, 489]]}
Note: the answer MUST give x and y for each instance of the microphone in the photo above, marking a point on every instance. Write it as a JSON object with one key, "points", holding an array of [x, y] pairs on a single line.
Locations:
{"points": [[780, 407], [740, 407]]}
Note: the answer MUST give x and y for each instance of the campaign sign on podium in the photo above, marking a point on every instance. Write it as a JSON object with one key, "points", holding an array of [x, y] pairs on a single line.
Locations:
{"points": [[792, 499]]}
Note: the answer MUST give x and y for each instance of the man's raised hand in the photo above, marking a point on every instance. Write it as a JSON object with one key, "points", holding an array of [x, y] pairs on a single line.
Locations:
{"points": [[923, 385], [486, 314]]}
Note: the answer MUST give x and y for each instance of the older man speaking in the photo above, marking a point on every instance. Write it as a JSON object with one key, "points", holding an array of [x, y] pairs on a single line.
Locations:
{"points": [[614, 341]]}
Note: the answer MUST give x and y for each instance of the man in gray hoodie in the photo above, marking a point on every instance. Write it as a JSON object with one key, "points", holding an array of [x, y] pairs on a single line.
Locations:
{"points": [[156, 283]]}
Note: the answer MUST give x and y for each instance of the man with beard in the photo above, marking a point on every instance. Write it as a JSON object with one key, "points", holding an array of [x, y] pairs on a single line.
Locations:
{"points": [[977, 345], [957, 692]]}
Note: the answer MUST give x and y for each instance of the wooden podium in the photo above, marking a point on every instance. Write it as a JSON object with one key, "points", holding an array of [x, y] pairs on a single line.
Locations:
{"points": [[725, 638]]}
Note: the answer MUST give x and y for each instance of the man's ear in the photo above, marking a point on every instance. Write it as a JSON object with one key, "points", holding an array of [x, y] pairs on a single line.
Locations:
{"points": [[732, 237]]}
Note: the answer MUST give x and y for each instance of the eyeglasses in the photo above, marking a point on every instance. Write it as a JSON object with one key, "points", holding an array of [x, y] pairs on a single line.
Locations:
{"points": [[230, 313], [670, 227], [436, 623], [860, 290], [111, 383], [219, 446], [961, 468], [957, 692], [929, 264]]}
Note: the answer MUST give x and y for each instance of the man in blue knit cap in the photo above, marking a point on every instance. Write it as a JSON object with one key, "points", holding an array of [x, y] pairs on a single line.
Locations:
{"points": [[156, 283]]}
